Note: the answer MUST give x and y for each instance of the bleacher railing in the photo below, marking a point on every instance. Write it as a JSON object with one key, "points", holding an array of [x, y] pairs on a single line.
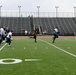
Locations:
{"points": [[35, 14]]}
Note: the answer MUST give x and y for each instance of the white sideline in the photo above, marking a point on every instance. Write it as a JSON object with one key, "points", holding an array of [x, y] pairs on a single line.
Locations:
{"points": [[58, 48], [3, 46]]}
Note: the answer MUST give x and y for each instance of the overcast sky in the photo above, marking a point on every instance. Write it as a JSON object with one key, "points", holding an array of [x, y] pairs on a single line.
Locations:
{"points": [[31, 5]]}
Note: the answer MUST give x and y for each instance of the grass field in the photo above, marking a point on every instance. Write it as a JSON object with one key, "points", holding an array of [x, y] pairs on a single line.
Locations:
{"points": [[41, 58]]}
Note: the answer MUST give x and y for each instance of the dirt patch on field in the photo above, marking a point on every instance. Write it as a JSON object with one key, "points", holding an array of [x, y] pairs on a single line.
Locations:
{"points": [[45, 36], [67, 36]]}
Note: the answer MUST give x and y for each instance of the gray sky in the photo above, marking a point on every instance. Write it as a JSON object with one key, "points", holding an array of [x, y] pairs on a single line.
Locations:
{"points": [[31, 5]]}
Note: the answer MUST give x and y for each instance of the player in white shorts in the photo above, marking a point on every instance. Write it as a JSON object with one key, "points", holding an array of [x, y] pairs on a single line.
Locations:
{"points": [[8, 37]]}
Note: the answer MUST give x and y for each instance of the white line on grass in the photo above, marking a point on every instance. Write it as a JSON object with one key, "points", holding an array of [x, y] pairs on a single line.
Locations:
{"points": [[3, 46], [33, 59], [58, 48]]}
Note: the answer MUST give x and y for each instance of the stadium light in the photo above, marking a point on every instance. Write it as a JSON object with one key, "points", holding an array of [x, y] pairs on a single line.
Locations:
{"points": [[56, 10], [38, 10], [0, 10], [74, 11], [19, 10]]}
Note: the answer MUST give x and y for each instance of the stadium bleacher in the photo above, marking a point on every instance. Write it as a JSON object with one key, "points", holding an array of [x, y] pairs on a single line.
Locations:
{"points": [[67, 26]]}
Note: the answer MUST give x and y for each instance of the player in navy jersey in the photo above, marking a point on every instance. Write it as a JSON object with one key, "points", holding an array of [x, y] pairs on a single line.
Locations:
{"points": [[56, 34]]}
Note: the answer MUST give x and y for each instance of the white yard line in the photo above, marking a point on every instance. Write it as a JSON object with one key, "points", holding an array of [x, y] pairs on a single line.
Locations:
{"points": [[58, 48], [3, 46]]}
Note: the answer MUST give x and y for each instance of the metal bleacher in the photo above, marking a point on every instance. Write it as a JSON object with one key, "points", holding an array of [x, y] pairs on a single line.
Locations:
{"points": [[66, 26], [17, 24]]}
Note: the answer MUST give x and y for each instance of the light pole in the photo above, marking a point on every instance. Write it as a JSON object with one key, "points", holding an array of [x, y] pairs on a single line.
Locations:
{"points": [[0, 10], [74, 11], [19, 10], [38, 10], [56, 10], [38, 20]]}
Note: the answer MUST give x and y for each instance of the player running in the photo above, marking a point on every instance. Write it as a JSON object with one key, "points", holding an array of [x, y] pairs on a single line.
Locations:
{"points": [[9, 37], [56, 34], [34, 36]]}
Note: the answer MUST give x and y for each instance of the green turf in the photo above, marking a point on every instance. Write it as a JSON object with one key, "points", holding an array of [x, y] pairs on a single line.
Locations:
{"points": [[52, 61]]}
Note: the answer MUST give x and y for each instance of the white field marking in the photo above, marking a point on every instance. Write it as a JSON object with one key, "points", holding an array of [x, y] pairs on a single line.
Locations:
{"points": [[66, 68], [35, 47], [24, 47], [58, 48], [13, 48], [68, 47], [14, 62], [33, 59], [46, 47], [3, 46]]}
